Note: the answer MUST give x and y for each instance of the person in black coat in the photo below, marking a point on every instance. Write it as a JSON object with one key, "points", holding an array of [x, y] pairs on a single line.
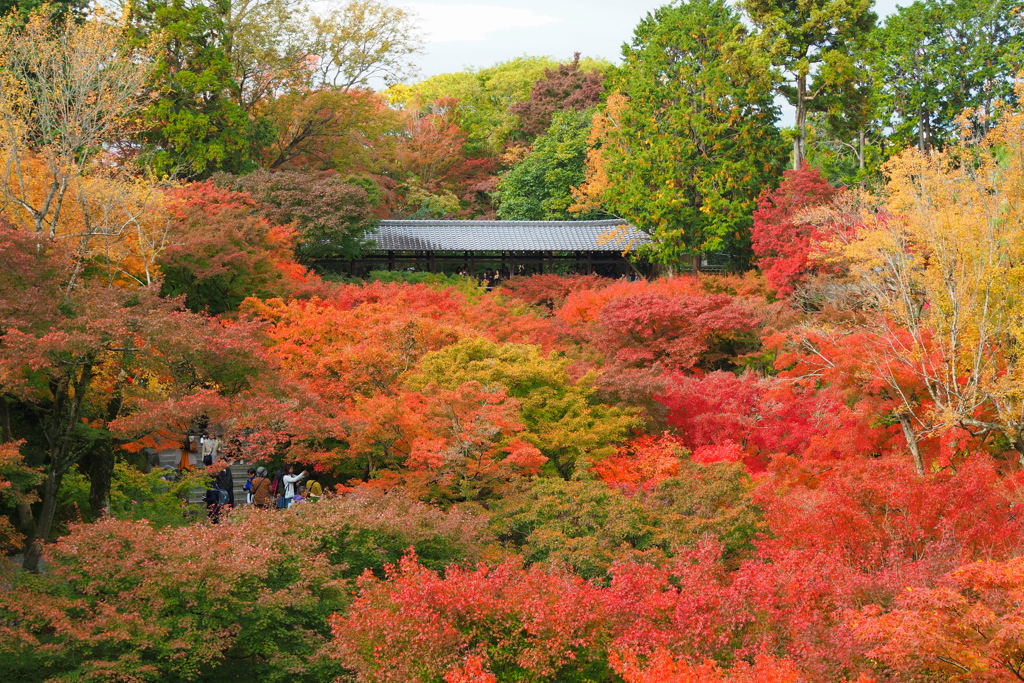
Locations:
{"points": [[214, 502], [278, 484], [226, 483]]}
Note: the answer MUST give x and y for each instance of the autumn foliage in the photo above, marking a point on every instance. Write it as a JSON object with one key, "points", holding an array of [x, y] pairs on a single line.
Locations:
{"points": [[808, 475], [649, 480], [809, 472], [781, 237]]}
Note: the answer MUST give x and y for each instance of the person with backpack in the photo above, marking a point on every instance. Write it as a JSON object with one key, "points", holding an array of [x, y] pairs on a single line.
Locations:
{"points": [[314, 489], [215, 499], [208, 447], [260, 489], [227, 483]]}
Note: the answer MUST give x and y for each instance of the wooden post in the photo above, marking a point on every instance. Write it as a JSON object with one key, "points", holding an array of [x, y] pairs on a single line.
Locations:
{"points": [[391, 260]]}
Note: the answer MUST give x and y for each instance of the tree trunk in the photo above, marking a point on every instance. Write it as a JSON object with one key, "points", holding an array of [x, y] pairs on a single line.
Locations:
{"points": [[801, 122], [860, 149], [26, 520], [34, 547], [912, 444], [101, 473], [101, 464], [68, 394], [5, 420], [1017, 441], [695, 263]]}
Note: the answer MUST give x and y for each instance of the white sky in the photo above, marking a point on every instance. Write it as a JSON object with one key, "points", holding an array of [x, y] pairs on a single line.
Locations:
{"points": [[480, 34]]}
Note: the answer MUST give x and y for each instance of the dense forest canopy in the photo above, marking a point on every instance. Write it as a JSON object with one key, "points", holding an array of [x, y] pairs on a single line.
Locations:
{"points": [[805, 469]]}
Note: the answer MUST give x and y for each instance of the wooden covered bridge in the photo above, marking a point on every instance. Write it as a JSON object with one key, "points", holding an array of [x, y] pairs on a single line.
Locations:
{"points": [[514, 247]]}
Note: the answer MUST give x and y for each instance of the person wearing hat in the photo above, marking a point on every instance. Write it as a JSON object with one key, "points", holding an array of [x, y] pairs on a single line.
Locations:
{"points": [[260, 489]]}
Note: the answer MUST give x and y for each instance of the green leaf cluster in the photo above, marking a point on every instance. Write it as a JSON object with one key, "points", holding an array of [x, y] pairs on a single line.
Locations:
{"points": [[563, 418], [539, 188], [194, 128], [484, 96], [589, 525]]}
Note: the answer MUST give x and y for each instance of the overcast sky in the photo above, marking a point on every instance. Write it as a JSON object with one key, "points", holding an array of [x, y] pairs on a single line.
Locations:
{"points": [[478, 34]]}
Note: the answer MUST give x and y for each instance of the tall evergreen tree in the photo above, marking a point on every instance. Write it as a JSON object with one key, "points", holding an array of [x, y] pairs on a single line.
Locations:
{"points": [[814, 44], [935, 58], [540, 186], [689, 138], [195, 127]]}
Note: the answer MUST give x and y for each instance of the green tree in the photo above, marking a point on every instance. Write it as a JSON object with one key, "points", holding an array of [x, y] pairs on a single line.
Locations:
{"points": [[587, 525], [846, 142], [27, 7], [196, 126], [266, 44], [814, 44], [935, 58], [689, 140], [563, 419], [485, 96], [243, 79], [715, 499], [363, 40], [845, 134], [540, 186]]}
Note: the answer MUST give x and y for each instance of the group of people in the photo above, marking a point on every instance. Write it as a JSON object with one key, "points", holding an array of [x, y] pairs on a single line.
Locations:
{"points": [[281, 491], [492, 278], [198, 450]]}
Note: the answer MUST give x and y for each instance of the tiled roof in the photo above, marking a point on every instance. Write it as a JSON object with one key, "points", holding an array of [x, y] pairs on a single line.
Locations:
{"points": [[430, 235]]}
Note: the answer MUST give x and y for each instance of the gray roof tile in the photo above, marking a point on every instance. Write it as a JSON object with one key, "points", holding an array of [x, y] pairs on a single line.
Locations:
{"points": [[436, 235]]}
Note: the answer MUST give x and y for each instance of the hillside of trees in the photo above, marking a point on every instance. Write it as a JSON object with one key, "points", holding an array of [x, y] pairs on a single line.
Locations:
{"points": [[804, 471]]}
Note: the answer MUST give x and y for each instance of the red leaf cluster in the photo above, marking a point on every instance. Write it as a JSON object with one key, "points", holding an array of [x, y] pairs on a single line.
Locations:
{"points": [[780, 240]]}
